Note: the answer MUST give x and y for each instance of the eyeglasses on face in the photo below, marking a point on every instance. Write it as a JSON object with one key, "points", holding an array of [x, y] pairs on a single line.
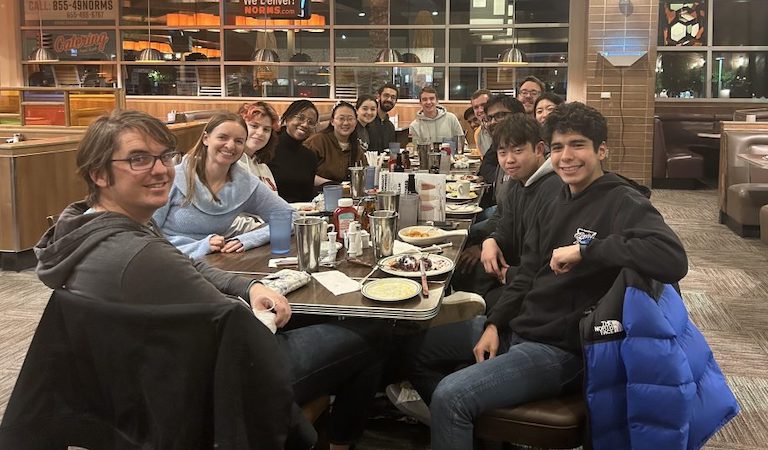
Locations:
{"points": [[343, 119], [144, 162], [499, 116], [532, 93], [304, 119]]}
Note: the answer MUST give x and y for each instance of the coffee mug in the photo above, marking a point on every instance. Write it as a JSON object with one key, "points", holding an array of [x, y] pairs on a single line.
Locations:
{"points": [[462, 188]]}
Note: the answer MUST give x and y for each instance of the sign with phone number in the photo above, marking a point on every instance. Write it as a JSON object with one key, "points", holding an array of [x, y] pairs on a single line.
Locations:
{"points": [[64, 10]]}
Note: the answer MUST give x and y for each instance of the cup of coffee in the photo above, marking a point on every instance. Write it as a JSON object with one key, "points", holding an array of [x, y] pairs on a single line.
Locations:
{"points": [[462, 188], [309, 232], [280, 231]]}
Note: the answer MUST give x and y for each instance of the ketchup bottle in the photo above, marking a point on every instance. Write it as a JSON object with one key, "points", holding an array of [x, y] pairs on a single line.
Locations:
{"points": [[343, 216]]}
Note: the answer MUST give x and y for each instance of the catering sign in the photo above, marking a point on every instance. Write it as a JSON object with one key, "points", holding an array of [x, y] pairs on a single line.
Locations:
{"points": [[82, 43], [276, 9], [70, 10]]}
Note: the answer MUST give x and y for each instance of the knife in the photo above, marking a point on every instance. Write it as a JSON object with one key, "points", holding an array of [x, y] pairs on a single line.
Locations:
{"points": [[424, 285], [369, 274]]}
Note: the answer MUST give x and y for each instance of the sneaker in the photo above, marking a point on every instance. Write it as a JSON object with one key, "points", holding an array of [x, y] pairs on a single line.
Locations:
{"points": [[408, 401]]}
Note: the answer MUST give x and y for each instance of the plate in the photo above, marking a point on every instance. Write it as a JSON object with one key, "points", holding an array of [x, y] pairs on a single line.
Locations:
{"points": [[305, 208], [391, 289], [453, 187], [440, 265], [462, 209], [455, 196], [459, 177]]}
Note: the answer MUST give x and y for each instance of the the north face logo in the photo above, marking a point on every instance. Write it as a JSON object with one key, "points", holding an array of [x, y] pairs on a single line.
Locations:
{"points": [[607, 327]]}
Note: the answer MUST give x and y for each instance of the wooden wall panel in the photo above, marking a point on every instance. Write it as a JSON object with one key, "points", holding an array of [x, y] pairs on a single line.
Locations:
{"points": [[7, 216]]}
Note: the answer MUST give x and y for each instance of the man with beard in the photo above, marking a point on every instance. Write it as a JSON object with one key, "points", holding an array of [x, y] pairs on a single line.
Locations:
{"points": [[528, 91], [381, 131], [482, 134]]}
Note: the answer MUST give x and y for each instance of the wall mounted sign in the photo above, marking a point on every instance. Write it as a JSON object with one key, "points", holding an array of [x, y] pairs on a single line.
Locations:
{"points": [[276, 9], [82, 43]]}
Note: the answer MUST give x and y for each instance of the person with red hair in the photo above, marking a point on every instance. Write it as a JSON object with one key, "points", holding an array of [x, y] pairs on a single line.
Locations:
{"points": [[263, 125]]}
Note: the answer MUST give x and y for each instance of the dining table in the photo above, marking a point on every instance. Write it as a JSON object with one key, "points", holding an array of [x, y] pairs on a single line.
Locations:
{"points": [[314, 298]]}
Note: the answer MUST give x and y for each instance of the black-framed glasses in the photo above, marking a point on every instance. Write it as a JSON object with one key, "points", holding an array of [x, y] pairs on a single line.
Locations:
{"points": [[499, 116], [143, 162], [304, 119]]}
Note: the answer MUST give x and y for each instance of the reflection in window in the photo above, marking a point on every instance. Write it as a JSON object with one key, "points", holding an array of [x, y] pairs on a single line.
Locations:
{"points": [[466, 80], [539, 11], [740, 75], [425, 46], [538, 45], [682, 23], [174, 45], [278, 81], [740, 22], [290, 45], [73, 45], [680, 74], [374, 12]]}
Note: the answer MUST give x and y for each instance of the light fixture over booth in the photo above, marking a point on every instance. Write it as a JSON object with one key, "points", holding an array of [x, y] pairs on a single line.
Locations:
{"points": [[42, 54], [149, 54], [513, 56], [388, 55]]}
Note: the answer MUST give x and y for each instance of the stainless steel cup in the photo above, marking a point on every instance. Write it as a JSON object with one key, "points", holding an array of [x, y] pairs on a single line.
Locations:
{"points": [[309, 232], [383, 231], [357, 177], [388, 200]]}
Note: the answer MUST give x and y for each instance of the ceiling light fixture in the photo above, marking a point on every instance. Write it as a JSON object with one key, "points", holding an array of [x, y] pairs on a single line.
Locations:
{"points": [[42, 54], [512, 56], [264, 54], [388, 55], [149, 54]]}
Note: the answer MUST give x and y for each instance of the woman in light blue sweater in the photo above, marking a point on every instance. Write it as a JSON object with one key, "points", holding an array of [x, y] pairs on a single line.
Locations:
{"points": [[211, 189]]}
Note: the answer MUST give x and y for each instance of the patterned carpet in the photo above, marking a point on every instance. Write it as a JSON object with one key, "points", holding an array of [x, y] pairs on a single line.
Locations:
{"points": [[726, 292]]}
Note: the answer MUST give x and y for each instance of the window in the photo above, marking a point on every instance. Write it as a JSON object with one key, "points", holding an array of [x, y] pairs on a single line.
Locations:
{"points": [[712, 49]]}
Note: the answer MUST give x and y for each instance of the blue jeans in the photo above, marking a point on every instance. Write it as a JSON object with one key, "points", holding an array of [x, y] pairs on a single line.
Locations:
{"points": [[522, 371], [344, 358]]}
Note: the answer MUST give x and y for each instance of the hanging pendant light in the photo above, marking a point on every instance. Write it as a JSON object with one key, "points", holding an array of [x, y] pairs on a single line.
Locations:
{"points": [[263, 54], [149, 54], [388, 55], [41, 53], [513, 56]]}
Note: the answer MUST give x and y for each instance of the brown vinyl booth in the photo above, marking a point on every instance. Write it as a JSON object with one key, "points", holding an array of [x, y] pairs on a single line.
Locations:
{"points": [[764, 224], [743, 188]]}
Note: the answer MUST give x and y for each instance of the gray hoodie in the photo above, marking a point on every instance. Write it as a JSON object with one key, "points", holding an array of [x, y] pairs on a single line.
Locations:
{"points": [[443, 125], [108, 256]]}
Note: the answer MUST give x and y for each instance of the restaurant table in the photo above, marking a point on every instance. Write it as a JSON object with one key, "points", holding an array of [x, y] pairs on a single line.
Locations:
{"points": [[314, 298], [755, 160]]}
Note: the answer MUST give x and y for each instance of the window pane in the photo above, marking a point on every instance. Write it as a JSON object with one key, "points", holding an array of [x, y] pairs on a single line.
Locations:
{"points": [[537, 45], [278, 81], [740, 22], [466, 80], [483, 11], [174, 45], [740, 75], [375, 12], [73, 45], [237, 13], [425, 46], [69, 13], [171, 80], [74, 75], [353, 81], [680, 74], [193, 14], [682, 23], [289, 44]]}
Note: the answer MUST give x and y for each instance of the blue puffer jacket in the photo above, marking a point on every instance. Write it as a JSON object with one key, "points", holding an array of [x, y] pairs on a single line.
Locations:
{"points": [[651, 381]]}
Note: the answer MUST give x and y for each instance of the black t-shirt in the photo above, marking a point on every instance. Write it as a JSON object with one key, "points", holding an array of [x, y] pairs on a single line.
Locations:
{"points": [[294, 167]]}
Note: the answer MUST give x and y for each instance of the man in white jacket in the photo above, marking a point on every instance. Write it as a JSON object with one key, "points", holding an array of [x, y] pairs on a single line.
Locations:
{"points": [[433, 122]]}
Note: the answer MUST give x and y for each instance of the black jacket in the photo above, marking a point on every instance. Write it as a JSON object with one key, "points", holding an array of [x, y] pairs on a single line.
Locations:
{"points": [[294, 167], [626, 231], [105, 375]]}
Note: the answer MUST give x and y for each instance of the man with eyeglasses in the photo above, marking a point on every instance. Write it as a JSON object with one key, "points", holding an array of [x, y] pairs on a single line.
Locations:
{"points": [[528, 91]]}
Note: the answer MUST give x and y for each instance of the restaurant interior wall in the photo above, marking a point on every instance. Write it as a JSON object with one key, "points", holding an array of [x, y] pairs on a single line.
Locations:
{"points": [[207, 47]]}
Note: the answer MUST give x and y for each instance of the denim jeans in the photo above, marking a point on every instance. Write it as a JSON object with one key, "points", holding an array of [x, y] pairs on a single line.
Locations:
{"points": [[344, 358], [522, 371]]}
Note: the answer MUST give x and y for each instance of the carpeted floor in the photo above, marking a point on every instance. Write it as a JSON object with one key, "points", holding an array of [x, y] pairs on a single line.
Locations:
{"points": [[726, 292]]}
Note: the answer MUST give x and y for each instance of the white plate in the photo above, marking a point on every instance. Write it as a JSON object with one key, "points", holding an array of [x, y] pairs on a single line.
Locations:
{"points": [[440, 265], [391, 289], [459, 177], [454, 187], [305, 208], [462, 209], [455, 196], [426, 235]]}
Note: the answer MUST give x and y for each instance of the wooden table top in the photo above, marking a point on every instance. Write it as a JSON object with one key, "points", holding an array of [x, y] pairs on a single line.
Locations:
{"points": [[755, 159], [314, 298]]}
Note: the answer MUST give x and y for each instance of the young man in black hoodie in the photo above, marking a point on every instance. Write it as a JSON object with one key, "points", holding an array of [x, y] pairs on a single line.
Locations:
{"points": [[528, 347]]}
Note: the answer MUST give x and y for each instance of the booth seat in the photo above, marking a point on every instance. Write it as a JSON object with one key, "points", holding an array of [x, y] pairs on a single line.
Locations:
{"points": [[675, 165], [743, 188]]}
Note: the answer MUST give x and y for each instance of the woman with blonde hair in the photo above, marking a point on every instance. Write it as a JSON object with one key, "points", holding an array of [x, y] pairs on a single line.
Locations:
{"points": [[211, 189]]}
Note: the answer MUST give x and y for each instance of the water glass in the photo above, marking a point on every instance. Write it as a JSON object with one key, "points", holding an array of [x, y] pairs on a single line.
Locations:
{"points": [[409, 210], [280, 231], [331, 196], [370, 177]]}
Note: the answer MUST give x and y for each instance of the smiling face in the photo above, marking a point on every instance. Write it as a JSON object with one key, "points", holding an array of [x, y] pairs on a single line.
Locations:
{"points": [[520, 161], [259, 132], [428, 102], [528, 93], [575, 159], [543, 108], [344, 121], [478, 106], [136, 194], [366, 112], [300, 126], [387, 99], [225, 144]]}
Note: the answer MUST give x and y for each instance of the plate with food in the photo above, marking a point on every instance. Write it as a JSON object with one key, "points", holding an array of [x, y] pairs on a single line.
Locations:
{"points": [[454, 187], [454, 195], [426, 235], [391, 289], [464, 177], [408, 265], [305, 208], [462, 209]]}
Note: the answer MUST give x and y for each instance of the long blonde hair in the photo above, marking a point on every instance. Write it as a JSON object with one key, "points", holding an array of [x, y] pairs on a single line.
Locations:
{"points": [[196, 158]]}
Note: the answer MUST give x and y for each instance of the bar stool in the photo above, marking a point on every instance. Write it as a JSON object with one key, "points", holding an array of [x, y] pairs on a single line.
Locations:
{"points": [[550, 423]]}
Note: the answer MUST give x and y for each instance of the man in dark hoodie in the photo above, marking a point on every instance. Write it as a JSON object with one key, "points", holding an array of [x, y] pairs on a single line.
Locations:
{"points": [[108, 248], [528, 347]]}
